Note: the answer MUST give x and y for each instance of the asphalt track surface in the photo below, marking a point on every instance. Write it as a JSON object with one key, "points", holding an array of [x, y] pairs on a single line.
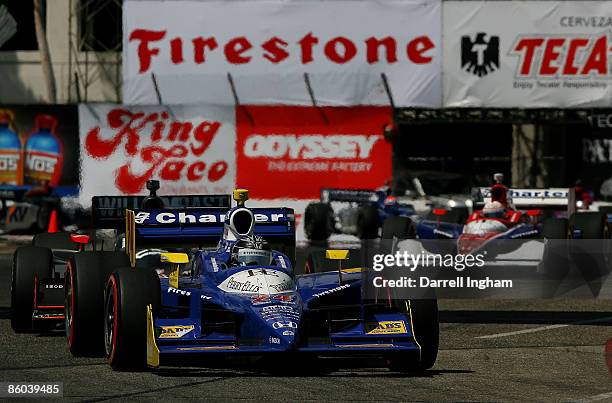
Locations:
{"points": [[490, 351]]}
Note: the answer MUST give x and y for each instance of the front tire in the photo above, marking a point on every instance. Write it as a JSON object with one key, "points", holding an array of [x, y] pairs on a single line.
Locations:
{"points": [[318, 221], [86, 275], [128, 292], [29, 263], [368, 222], [426, 329]]}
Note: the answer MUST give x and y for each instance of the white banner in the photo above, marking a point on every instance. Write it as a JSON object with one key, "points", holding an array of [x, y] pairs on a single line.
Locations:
{"points": [[184, 51], [527, 53], [191, 150]]}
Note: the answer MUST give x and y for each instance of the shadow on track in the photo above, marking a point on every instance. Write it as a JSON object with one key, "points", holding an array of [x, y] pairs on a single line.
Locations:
{"points": [[531, 317]]}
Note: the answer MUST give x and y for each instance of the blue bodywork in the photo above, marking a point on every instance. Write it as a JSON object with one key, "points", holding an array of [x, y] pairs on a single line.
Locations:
{"points": [[221, 308]]}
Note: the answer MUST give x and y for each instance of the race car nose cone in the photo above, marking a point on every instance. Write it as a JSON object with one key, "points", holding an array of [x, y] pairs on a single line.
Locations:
{"points": [[284, 334]]}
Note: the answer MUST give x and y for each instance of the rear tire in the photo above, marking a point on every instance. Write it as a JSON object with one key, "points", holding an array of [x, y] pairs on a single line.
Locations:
{"points": [[592, 224], [29, 262], [398, 227], [426, 329], [368, 222], [86, 275], [318, 221], [128, 292], [555, 228]]}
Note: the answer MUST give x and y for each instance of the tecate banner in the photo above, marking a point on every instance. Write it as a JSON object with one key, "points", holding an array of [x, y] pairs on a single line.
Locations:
{"points": [[292, 152], [279, 52], [190, 149], [527, 53]]}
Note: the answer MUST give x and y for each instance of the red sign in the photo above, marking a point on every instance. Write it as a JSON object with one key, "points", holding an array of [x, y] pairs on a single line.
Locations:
{"points": [[293, 152]]}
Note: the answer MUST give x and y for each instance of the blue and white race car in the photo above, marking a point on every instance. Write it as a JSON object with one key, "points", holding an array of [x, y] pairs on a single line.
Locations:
{"points": [[172, 298]]}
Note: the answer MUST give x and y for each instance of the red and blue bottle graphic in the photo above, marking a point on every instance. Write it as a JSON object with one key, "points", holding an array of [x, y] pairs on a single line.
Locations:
{"points": [[43, 154], [10, 151]]}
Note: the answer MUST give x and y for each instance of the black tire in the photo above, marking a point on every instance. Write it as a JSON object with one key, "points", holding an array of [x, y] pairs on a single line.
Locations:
{"points": [[368, 221], [42, 218], [592, 224], [426, 328], [128, 292], [54, 240], [86, 275], [399, 227], [318, 221], [29, 262], [555, 228]]}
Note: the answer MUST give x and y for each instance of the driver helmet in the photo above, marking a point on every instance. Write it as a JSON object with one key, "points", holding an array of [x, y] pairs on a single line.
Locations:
{"points": [[390, 201], [251, 251], [493, 210]]}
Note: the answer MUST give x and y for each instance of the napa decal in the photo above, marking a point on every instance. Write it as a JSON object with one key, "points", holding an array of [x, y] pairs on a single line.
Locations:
{"points": [[386, 327], [174, 332]]}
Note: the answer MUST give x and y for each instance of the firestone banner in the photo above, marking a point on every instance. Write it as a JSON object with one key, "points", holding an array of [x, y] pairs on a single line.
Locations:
{"points": [[280, 52], [527, 53], [292, 152], [190, 149]]}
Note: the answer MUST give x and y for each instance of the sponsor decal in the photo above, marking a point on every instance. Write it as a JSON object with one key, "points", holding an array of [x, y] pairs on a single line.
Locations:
{"points": [[286, 299], [169, 217], [480, 56], [280, 325], [348, 150], [309, 146], [172, 141], [54, 286], [288, 333], [214, 264], [386, 327], [274, 340], [205, 297], [191, 150], [582, 56], [177, 291], [257, 281], [333, 290], [174, 332], [531, 193]]}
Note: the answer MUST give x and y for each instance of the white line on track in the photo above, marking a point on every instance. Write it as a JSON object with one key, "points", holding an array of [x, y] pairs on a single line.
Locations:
{"points": [[603, 396], [542, 328], [533, 330]]}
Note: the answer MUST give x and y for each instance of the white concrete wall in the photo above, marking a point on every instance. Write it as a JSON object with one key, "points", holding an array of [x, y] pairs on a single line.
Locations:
{"points": [[21, 75]]}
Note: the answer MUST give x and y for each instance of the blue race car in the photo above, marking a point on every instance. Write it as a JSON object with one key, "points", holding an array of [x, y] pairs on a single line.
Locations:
{"points": [[177, 299]]}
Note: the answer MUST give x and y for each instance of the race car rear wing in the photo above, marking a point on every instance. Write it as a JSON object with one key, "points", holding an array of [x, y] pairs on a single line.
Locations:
{"points": [[193, 225], [549, 199], [108, 212], [346, 195]]}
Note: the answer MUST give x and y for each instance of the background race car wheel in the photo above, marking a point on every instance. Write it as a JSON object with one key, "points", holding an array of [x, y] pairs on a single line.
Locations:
{"points": [[555, 228], [128, 292], [86, 275], [318, 221], [368, 221], [29, 262], [426, 329], [42, 218], [399, 227], [592, 224]]}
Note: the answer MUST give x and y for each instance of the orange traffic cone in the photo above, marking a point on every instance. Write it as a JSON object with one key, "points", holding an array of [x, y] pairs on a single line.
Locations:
{"points": [[53, 222]]}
